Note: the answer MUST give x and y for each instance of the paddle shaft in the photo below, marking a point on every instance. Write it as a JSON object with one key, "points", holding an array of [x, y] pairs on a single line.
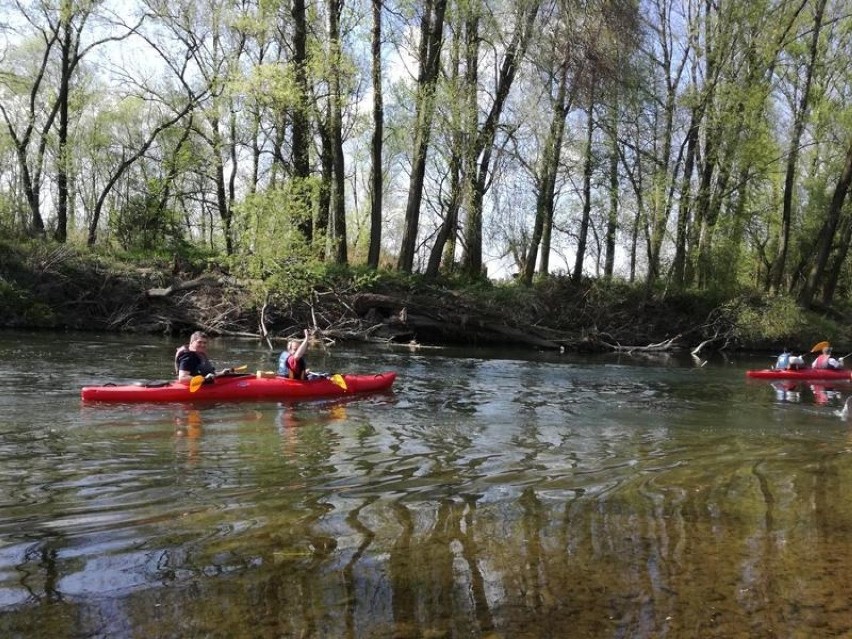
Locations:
{"points": [[198, 380]]}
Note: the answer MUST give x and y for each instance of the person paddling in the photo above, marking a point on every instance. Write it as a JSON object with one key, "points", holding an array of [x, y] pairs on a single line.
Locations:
{"points": [[191, 360], [825, 361]]}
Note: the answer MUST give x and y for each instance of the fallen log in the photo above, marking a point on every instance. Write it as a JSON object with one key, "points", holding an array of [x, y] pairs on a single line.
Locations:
{"points": [[660, 347], [405, 321], [181, 286]]}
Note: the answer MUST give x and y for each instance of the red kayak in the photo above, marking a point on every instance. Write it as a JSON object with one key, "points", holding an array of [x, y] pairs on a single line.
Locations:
{"points": [[241, 387], [803, 374]]}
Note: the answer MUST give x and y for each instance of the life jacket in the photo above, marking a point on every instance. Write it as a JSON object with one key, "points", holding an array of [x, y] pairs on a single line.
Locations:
{"points": [[178, 353], [292, 368], [822, 361]]}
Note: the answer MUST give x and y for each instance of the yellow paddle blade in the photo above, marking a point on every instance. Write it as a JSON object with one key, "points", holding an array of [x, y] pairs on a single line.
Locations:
{"points": [[195, 383], [816, 348], [240, 369], [338, 380]]}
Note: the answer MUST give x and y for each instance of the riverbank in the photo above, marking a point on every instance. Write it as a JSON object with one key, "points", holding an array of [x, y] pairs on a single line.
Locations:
{"points": [[56, 287]]}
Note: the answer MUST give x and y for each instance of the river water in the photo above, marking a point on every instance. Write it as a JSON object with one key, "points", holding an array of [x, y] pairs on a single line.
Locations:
{"points": [[491, 494]]}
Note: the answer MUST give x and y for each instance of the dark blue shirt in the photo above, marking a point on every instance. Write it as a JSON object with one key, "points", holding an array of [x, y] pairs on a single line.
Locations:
{"points": [[194, 363]]}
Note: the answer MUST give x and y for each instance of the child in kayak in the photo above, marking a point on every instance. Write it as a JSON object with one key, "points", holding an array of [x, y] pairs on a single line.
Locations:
{"points": [[291, 363], [788, 362]]}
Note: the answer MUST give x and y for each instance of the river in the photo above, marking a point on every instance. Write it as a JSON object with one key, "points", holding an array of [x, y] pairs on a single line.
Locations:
{"points": [[506, 494]]}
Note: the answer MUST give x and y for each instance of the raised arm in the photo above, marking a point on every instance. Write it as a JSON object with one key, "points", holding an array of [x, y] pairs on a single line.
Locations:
{"points": [[303, 347]]}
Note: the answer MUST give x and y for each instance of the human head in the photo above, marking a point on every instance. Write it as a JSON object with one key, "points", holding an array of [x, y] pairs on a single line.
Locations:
{"points": [[198, 341], [826, 350], [292, 346]]}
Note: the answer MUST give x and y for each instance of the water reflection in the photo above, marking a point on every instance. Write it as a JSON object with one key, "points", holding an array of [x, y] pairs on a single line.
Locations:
{"points": [[820, 394]]}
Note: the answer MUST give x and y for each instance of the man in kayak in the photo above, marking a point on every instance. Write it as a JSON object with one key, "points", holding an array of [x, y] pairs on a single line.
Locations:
{"points": [[826, 361], [192, 360], [291, 363]]}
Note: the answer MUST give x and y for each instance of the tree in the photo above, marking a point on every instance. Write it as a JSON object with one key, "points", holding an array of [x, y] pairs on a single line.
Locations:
{"points": [[431, 37], [376, 173], [483, 146], [58, 30], [335, 112], [799, 119], [827, 236]]}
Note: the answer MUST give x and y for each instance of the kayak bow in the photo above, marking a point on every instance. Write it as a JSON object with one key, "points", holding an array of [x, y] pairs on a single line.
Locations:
{"points": [[239, 388]]}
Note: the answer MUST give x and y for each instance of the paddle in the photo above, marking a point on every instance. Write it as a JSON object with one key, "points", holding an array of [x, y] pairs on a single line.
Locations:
{"points": [[336, 379], [237, 370], [816, 348], [196, 382]]}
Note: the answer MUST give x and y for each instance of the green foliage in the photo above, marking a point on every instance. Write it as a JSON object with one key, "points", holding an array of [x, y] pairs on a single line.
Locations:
{"points": [[367, 279], [12, 298], [276, 256], [272, 85], [776, 321], [142, 225], [271, 222]]}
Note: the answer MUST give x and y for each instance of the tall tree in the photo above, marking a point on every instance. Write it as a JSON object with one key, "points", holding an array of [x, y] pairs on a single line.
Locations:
{"points": [[376, 171], [827, 236], [431, 38], [300, 131], [799, 120], [588, 165], [335, 110], [546, 181], [483, 146], [59, 30], [461, 78]]}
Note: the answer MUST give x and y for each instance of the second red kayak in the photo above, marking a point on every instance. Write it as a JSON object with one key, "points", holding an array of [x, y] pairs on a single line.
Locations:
{"points": [[240, 387], [802, 374]]}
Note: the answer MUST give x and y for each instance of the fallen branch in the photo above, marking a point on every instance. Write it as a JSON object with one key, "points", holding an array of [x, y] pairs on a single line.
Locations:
{"points": [[659, 347], [698, 348], [181, 286]]}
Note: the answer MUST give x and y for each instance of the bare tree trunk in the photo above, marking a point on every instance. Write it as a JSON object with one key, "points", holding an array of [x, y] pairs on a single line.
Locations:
{"points": [[778, 267], [338, 202], [376, 172], [221, 192], [827, 233], [431, 36], [301, 128], [60, 234], [443, 250], [472, 259], [612, 217], [685, 208], [547, 182], [832, 278], [321, 224], [587, 196]]}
